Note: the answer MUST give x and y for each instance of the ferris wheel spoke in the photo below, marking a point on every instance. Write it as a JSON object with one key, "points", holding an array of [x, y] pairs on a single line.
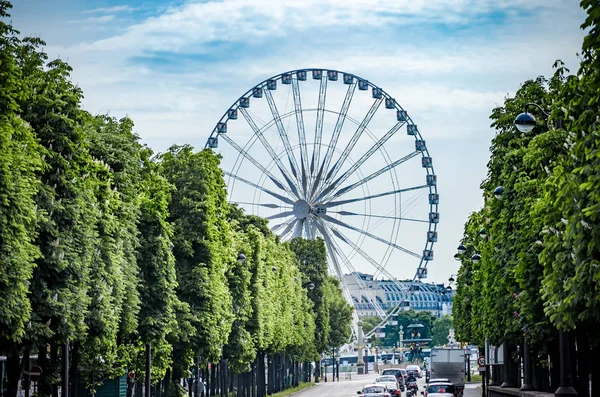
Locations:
{"points": [[373, 175], [269, 192], [258, 165], [319, 125], [354, 200], [371, 235], [289, 224], [307, 223], [267, 205], [269, 149], [357, 134], [372, 261], [329, 244], [301, 134], [280, 215], [364, 157], [282, 133], [363, 287], [348, 213], [334, 138], [298, 228]]}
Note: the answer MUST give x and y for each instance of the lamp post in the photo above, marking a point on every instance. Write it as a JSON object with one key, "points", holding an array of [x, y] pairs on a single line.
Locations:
{"points": [[401, 342], [360, 365]]}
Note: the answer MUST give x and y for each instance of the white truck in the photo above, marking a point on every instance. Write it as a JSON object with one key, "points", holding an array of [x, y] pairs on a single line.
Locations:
{"points": [[450, 364]]}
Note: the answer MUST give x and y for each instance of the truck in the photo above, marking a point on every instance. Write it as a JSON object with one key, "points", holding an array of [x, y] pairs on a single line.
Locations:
{"points": [[450, 364]]}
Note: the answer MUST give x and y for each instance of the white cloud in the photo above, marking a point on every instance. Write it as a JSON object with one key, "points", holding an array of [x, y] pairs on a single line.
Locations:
{"points": [[448, 82], [94, 20], [108, 10]]}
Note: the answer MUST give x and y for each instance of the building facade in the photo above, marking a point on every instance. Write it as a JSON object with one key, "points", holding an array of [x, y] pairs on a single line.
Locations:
{"points": [[431, 297]]}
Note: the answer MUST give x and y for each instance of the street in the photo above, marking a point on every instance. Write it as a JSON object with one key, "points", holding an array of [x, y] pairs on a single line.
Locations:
{"points": [[348, 388]]}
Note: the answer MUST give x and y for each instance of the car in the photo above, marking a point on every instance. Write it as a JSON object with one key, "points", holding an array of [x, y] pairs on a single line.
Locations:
{"points": [[374, 390], [415, 369], [392, 371], [440, 389], [391, 383]]}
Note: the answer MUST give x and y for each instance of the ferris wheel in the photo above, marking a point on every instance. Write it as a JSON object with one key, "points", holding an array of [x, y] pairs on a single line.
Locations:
{"points": [[324, 153]]}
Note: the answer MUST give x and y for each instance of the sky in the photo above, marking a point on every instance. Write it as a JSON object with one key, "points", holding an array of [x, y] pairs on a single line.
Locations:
{"points": [[175, 67]]}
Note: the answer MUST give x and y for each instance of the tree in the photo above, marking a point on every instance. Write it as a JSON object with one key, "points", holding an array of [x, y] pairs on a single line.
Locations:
{"points": [[440, 330], [157, 276], [20, 163], [340, 314], [202, 245], [312, 261]]}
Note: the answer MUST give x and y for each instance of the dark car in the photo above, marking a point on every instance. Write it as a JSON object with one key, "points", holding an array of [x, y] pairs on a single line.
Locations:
{"points": [[398, 374]]}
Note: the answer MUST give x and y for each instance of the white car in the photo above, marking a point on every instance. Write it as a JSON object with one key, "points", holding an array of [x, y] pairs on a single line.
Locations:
{"points": [[374, 390], [440, 389], [391, 384], [415, 369]]}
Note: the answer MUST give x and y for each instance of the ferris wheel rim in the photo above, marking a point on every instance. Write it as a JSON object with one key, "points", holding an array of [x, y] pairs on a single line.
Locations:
{"points": [[429, 170]]}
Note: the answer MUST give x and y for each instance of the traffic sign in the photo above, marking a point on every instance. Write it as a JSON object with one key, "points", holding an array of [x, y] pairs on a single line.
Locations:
{"points": [[35, 373], [131, 375], [481, 362]]}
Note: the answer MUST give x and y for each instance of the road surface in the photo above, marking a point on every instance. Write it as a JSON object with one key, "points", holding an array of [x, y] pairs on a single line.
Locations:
{"points": [[348, 388]]}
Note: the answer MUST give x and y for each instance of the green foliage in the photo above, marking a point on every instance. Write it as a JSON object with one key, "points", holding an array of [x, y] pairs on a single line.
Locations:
{"points": [[202, 244], [20, 162], [539, 267], [440, 330], [312, 261], [340, 314], [112, 249]]}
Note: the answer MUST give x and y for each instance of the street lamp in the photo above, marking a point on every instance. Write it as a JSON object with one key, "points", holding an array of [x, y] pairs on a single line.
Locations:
{"points": [[309, 285], [241, 258], [461, 249], [498, 192], [457, 257], [482, 233], [451, 279], [525, 122], [476, 258]]}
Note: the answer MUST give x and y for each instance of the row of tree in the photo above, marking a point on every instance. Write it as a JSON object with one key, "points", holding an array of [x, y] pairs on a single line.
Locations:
{"points": [[113, 248], [539, 240]]}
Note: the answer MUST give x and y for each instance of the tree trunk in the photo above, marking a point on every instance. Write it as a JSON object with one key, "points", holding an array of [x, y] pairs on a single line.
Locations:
{"points": [[595, 371], [74, 369], [213, 378], [54, 366], [43, 385], [555, 368], [167, 382], [582, 382], [14, 369]]}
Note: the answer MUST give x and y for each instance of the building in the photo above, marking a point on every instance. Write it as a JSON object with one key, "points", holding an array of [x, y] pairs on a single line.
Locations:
{"points": [[431, 297]]}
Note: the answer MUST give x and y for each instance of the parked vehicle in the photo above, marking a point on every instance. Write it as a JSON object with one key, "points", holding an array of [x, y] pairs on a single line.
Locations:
{"points": [[391, 384], [373, 391], [449, 364]]}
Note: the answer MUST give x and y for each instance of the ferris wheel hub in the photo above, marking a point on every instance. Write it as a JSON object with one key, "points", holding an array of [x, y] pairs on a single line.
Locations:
{"points": [[301, 209]]}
